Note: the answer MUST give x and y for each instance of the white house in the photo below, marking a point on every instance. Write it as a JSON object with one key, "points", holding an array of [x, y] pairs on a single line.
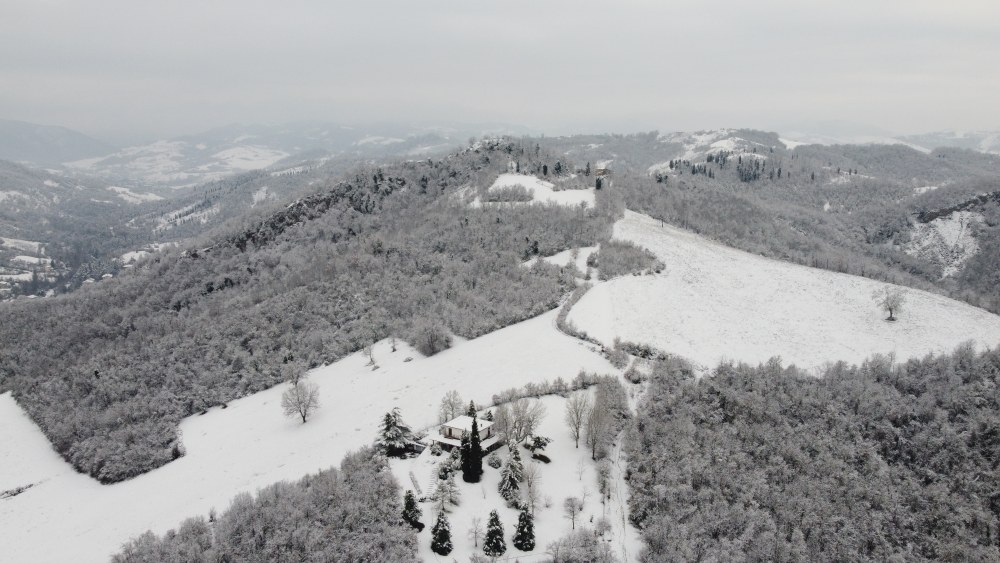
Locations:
{"points": [[450, 434]]}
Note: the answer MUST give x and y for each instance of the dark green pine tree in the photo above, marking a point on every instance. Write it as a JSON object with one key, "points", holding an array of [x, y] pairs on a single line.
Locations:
{"points": [[472, 450], [411, 510], [441, 536], [494, 544], [524, 537]]}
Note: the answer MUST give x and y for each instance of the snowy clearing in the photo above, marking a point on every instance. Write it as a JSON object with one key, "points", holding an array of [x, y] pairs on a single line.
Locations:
{"points": [[33, 260], [946, 241], [23, 245], [249, 157], [542, 191], [565, 258], [714, 303], [133, 197], [571, 473], [250, 444]]}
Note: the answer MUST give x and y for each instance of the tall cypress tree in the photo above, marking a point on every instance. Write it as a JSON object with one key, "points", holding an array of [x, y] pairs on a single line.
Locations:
{"points": [[441, 536], [524, 536], [494, 544], [472, 450]]}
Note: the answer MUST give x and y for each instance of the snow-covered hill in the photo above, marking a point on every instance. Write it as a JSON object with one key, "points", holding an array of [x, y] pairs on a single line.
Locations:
{"points": [[250, 444], [946, 241], [714, 302]]}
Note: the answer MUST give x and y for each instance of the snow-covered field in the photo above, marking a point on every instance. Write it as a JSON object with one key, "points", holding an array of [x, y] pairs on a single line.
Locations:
{"points": [[133, 197], [24, 245], [566, 257], [70, 517], [947, 241], [543, 192], [248, 157], [713, 302], [571, 473], [32, 260]]}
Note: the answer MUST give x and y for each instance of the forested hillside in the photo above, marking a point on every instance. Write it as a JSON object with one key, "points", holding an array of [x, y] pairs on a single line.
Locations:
{"points": [[847, 208], [107, 372], [877, 462], [351, 514]]}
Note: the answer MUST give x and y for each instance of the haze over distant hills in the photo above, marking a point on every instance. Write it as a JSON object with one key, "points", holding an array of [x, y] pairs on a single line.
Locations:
{"points": [[46, 144]]}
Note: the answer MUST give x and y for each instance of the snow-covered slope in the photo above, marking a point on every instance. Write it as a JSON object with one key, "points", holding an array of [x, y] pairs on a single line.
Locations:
{"points": [[544, 192], [250, 444], [946, 241], [714, 303]]}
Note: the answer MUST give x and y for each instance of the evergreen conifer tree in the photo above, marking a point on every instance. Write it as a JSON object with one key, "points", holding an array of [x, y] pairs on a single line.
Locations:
{"points": [[441, 536], [494, 545], [411, 510], [524, 537], [393, 434], [508, 486], [515, 464], [471, 413]]}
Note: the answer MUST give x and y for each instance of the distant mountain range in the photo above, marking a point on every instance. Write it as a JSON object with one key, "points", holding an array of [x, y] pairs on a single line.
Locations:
{"points": [[46, 144], [195, 159]]}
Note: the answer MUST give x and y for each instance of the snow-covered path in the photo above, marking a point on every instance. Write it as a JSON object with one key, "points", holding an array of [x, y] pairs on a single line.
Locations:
{"points": [[70, 517], [713, 302]]}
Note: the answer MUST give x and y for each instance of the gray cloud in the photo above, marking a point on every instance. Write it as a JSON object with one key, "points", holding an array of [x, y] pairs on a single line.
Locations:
{"points": [[124, 68]]}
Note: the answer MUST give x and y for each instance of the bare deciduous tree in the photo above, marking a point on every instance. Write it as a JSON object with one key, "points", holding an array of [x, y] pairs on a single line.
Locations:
{"points": [[301, 399], [532, 485], [476, 531], [597, 424], [522, 418], [890, 299], [572, 506], [577, 408], [451, 406]]}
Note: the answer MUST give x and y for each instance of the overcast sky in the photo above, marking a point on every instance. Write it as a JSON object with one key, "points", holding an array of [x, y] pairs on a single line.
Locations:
{"points": [[135, 68]]}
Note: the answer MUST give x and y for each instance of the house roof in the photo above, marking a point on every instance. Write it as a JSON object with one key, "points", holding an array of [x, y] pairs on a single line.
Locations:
{"points": [[464, 423]]}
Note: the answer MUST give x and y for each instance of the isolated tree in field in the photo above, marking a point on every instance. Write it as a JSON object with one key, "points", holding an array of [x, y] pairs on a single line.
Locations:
{"points": [[411, 510], [394, 434], [524, 535], [301, 399], [577, 409], [451, 406], [494, 545], [524, 416], [509, 486], [891, 300], [441, 536], [572, 506]]}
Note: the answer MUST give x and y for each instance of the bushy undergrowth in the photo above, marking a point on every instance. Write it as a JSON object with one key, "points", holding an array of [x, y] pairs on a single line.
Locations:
{"points": [[877, 462], [345, 515], [621, 257]]}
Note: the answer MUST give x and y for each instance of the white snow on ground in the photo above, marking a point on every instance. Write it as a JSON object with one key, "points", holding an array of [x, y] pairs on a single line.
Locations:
{"points": [[25, 245], [571, 473], [542, 191], [713, 302], [250, 444], [31, 260], [565, 258], [946, 241], [924, 189], [51, 184], [376, 140], [790, 144], [249, 157], [133, 197]]}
